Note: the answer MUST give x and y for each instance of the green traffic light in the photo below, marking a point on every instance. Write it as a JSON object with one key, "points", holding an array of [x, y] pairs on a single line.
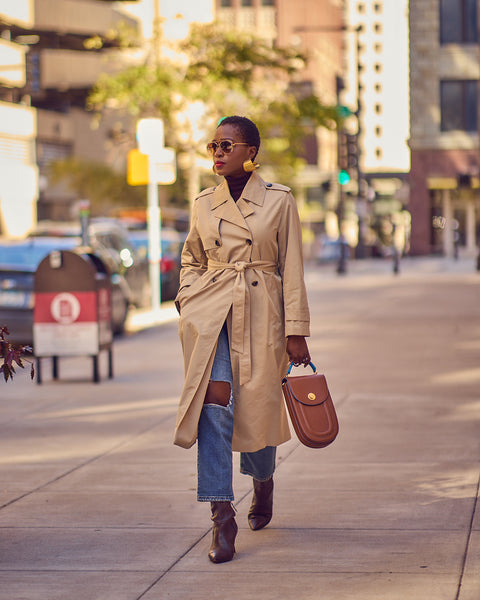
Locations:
{"points": [[343, 177]]}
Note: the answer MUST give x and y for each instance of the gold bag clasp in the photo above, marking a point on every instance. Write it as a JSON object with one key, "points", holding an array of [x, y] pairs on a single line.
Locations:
{"points": [[311, 396]]}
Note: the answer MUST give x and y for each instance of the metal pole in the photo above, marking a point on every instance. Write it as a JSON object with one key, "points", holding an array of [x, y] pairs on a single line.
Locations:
{"points": [[396, 252], [342, 265], [361, 202], [154, 244], [342, 259], [84, 211]]}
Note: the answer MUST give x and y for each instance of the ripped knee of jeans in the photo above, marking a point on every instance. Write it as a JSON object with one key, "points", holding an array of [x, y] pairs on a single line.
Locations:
{"points": [[218, 392]]}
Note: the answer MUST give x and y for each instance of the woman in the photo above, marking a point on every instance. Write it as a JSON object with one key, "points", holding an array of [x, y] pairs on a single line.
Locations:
{"points": [[243, 315]]}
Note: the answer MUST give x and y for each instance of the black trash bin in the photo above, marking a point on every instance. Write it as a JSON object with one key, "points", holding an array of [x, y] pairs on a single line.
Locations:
{"points": [[72, 314]]}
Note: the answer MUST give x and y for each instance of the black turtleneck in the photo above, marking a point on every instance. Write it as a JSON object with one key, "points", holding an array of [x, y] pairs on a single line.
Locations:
{"points": [[236, 185]]}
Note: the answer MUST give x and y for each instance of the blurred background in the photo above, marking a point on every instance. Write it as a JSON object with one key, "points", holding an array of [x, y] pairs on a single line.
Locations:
{"points": [[368, 109]]}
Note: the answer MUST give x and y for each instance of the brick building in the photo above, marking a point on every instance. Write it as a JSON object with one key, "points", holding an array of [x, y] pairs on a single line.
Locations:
{"points": [[444, 139]]}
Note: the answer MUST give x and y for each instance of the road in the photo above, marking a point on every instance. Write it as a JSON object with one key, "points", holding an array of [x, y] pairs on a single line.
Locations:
{"points": [[97, 504]]}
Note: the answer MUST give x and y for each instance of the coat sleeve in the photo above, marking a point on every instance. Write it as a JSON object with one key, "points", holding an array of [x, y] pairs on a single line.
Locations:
{"points": [[297, 314], [193, 259]]}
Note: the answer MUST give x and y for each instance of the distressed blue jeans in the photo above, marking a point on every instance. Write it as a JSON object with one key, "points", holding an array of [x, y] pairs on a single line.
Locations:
{"points": [[215, 431]]}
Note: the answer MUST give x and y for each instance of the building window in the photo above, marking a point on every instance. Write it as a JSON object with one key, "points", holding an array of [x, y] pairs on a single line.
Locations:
{"points": [[378, 109], [378, 131], [246, 2], [459, 105], [458, 22], [378, 153], [378, 48], [268, 2], [361, 7], [225, 3], [377, 87], [378, 67], [377, 7], [377, 28], [49, 152]]}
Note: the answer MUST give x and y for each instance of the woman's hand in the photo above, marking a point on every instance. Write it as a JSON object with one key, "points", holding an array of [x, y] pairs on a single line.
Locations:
{"points": [[297, 350]]}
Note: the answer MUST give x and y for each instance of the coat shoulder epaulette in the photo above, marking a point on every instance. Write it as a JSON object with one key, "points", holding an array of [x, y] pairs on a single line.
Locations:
{"points": [[277, 187], [205, 192]]}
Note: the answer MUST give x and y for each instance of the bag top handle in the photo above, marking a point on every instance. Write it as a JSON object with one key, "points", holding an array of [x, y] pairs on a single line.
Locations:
{"points": [[310, 364]]}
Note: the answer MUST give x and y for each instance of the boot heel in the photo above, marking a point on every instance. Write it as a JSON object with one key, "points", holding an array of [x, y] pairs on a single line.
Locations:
{"points": [[224, 532], [261, 509]]}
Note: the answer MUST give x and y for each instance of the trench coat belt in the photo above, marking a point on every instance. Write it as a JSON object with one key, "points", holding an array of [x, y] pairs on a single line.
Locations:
{"points": [[241, 309]]}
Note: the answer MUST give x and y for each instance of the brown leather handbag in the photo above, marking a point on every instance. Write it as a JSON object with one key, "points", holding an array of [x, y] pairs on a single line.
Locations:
{"points": [[311, 408]]}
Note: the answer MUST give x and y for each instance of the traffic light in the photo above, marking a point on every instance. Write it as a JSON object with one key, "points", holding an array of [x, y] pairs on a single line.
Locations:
{"points": [[343, 177], [342, 155], [347, 150], [352, 150]]}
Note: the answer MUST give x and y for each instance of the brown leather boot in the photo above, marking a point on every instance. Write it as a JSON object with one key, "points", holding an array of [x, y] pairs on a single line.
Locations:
{"points": [[224, 532], [261, 509]]}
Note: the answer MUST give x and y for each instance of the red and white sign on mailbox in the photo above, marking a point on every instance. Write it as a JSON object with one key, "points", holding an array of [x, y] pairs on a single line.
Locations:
{"points": [[72, 313], [71, 323]]}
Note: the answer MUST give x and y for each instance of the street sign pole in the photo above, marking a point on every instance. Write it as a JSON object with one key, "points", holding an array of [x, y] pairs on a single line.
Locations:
{"points": [[150, 137], [154, 224], [161, 170]]}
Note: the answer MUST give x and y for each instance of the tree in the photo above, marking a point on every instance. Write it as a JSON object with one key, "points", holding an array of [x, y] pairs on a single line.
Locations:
{"points": [[101, 185], [230, 73]]}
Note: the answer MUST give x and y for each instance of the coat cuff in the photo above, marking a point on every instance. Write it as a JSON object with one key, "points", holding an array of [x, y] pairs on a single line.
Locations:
{"points": [[297, 328]]}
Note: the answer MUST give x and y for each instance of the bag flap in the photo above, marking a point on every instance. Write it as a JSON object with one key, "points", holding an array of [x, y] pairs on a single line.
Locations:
{"points": [[310, 390]]}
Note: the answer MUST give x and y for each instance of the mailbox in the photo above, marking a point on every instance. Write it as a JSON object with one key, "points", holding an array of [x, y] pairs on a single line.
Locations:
{"points": [[72, 312]]}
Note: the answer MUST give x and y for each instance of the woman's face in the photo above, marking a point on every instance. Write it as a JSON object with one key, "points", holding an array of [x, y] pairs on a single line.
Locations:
{"points": [[231, 164]]}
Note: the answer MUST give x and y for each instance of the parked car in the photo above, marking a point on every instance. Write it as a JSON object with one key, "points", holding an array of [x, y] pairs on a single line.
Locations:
{"points": [[19, 260], [172, 244], [115, 239]]}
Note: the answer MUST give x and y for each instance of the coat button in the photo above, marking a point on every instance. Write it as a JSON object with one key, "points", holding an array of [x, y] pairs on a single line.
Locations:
{"points": [[217, 243], [254, 283], [214, 280], [249, 242], [269, 184]]}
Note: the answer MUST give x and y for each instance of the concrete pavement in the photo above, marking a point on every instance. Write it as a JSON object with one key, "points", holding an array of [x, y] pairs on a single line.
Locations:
{"points": [[97, 504]]}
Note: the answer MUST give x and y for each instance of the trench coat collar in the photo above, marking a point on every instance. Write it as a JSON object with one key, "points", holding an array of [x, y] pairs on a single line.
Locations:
{"points": [[224, 207]]}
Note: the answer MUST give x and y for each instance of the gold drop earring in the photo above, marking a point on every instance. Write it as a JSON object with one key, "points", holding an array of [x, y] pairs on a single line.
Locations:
{"points": [[249, 166]]}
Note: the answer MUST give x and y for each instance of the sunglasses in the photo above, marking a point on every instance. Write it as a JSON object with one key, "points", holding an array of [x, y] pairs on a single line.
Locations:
{"points": [[226, 146]]}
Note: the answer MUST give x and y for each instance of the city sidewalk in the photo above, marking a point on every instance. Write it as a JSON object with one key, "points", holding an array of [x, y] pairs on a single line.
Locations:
{"points": [[97, 504]]}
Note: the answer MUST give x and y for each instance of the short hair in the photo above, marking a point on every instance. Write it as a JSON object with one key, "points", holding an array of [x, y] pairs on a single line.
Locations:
{"points": [[247, 128]]}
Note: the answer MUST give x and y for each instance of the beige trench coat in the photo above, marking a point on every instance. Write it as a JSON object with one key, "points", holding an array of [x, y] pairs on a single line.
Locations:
{"points": [[242, 262]]}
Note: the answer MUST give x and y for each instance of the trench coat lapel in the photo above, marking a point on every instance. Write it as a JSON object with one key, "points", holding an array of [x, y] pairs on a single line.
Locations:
{"points": [[224, 207], [253, 194], [255, 189]]}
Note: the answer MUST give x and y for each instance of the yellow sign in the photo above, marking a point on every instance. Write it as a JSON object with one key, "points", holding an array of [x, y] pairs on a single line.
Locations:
{"points": [[137, 168], [158, 168]]}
